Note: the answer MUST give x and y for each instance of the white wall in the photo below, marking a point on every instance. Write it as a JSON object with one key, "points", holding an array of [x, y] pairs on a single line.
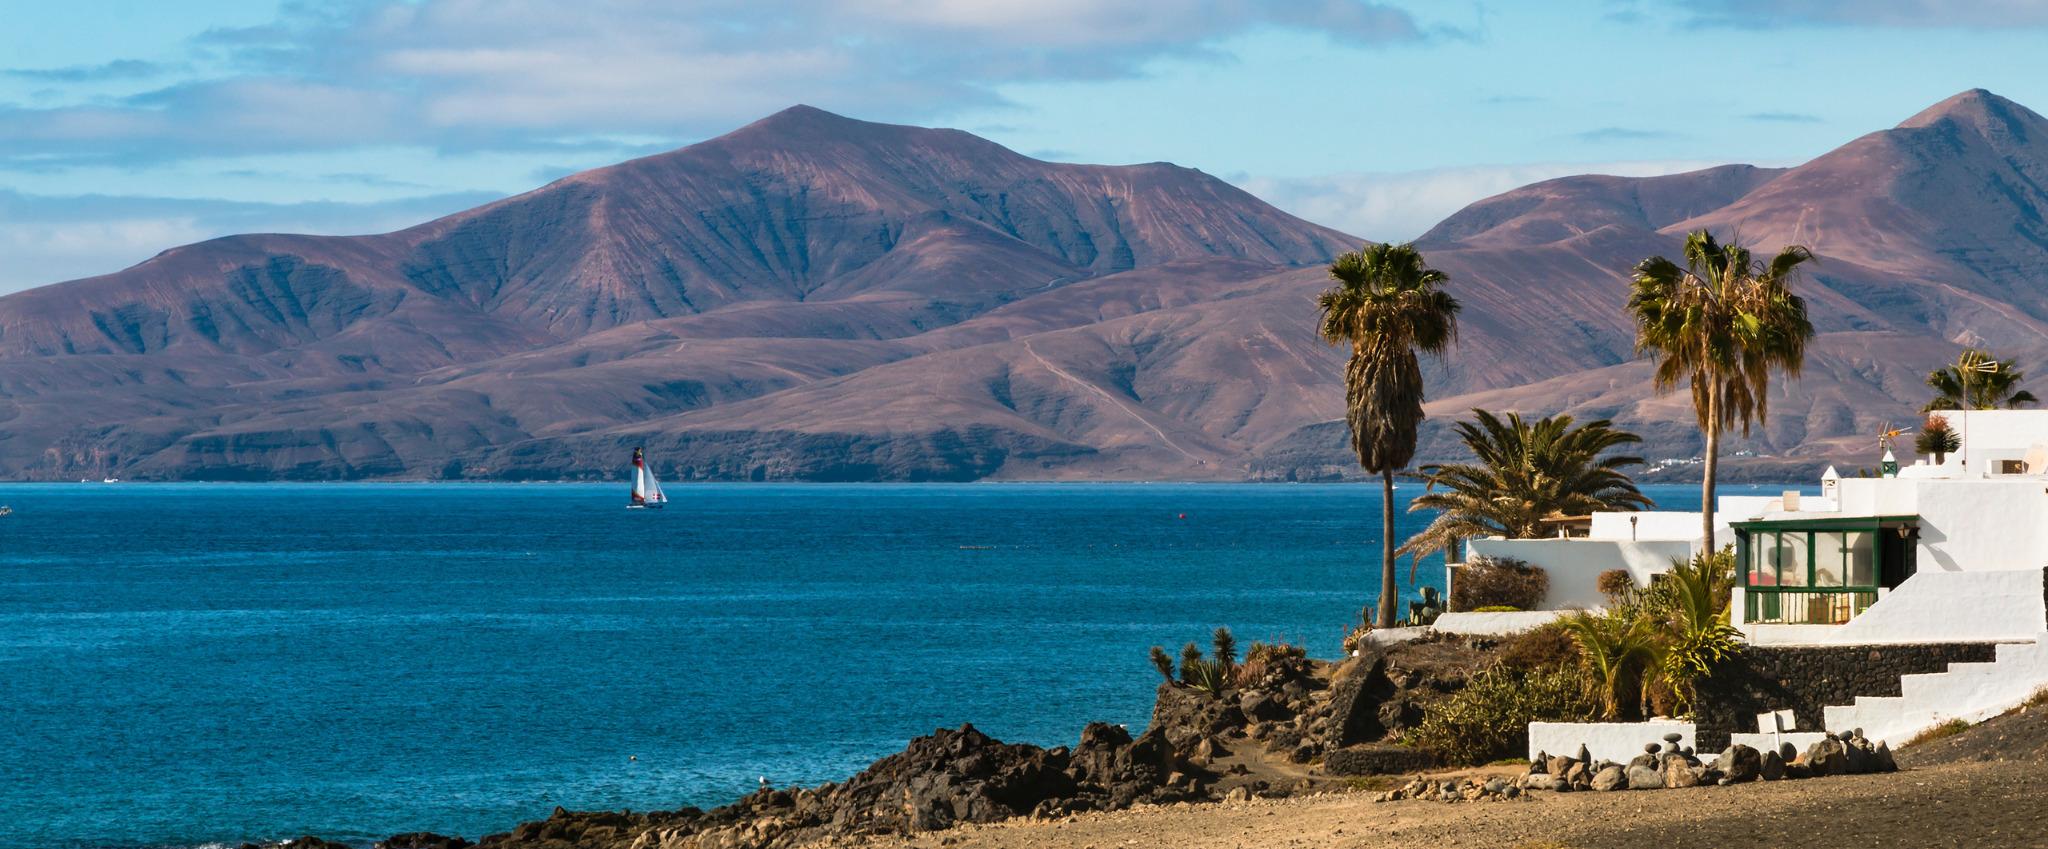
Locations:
{"points": [[1977, 524], [1494, 624], [1932, 607], [1990, 435], [1575, 564], [1605, 741], [1649, 525]]}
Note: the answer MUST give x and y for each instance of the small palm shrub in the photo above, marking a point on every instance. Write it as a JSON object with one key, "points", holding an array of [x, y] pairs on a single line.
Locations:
{"points": [[1226, 647], [1937, 438], [1163, 663], [1489, 719], [1692, 602], [1210, 675], [1489, 582], [1618, 653]]}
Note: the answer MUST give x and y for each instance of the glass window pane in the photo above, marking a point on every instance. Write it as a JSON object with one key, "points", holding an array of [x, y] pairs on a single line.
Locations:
{"points": [[1792, 559], [1862, 551], [1829, 552]]}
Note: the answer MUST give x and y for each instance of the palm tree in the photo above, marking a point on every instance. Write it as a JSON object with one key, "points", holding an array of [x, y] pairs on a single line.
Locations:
{"points": [[1388, 306], [1619, 652], [1721, 325], [1978, 381], [1526, 472]]}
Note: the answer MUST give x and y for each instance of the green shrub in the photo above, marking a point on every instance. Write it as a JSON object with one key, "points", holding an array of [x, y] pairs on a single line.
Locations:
{"points": [[1261, 659], [1617, 585], [1497, 608], [1547, 647], [1489, 582], [1489, 719]]}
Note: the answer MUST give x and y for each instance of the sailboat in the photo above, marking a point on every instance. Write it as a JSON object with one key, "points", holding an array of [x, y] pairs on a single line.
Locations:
{"points": [[646, 490]]}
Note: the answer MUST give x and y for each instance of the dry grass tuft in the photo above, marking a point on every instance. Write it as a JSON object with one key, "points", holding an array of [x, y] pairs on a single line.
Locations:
{"points": [[1947, 729]]}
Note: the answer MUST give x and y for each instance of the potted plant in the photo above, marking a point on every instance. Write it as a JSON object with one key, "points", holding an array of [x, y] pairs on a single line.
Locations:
{"points": [[1937, 438]]}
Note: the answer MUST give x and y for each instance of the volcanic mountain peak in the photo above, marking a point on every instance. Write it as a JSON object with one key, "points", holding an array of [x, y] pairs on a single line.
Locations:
{"points": [[1976, 108]]}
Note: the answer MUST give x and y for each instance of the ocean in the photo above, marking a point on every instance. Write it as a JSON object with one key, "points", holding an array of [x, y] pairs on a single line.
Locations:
{"points": [[183, 665]]}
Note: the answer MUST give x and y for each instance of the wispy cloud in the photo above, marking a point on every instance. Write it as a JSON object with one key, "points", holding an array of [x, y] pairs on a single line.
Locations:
{"points": [[462, 75], [1401, 206], [1912, 14], [119, 69], [1784, 117], [47, 239], [1612, 134]]}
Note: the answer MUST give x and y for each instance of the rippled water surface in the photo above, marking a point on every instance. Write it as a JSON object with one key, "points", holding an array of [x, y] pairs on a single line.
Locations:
{"points": [[184, 664]]}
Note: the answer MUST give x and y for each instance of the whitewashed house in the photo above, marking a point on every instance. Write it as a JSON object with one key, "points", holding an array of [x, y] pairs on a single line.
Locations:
{"points": [[1938, 570]]}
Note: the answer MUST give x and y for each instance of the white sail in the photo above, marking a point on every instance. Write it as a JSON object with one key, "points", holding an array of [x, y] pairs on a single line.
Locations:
{"points": [[652, 492], [646, 491]]}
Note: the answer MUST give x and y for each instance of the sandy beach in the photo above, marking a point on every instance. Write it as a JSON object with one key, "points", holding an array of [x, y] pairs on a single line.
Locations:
{"points": [[1957, 805]]}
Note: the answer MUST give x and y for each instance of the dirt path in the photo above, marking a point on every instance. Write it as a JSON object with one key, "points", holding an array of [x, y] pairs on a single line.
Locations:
{"points": [[1959, 805]]}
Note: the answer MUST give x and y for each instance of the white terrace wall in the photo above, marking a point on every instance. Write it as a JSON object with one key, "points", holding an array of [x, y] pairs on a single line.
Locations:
{"points": [[1932, 607], [1978, 525], [1648, 525], [1574, 565], [1605, 741]]}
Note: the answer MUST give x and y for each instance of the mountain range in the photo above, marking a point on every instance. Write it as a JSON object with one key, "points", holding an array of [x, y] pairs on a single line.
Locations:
{"points": [[813, 297]]}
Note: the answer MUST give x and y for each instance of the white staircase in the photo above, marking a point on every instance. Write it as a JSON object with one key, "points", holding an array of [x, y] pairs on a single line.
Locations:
{"points": [[1972, 692]]}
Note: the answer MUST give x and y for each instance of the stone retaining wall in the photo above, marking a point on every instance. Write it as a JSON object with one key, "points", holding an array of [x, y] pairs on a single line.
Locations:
{"points": [[1807, 678]]}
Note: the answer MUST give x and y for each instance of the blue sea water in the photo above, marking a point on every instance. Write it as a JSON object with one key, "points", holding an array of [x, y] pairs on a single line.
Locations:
{"points": [[190, 664]]}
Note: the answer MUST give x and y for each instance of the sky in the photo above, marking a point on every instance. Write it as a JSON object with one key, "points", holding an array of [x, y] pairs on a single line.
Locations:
{"points": [[128, 126]]}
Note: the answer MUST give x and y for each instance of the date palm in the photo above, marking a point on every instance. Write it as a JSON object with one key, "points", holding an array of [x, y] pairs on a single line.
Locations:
{"points": [[1978, 381], [1524, 473], [1721, 325], [1388, 305]]}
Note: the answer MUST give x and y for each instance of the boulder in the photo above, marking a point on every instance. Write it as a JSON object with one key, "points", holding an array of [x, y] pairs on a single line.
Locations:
{"points": [[1679, 771], [1540, 781], [1827, 756], [421, 840], [1610, 777], [1645, 778], [1771, 766], [1885, 762], [1267, 707], [1741, 763], [1559, 765]]}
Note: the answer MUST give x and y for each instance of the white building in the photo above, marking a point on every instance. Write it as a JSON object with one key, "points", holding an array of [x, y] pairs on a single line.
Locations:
{"points": [[1937, 555]]}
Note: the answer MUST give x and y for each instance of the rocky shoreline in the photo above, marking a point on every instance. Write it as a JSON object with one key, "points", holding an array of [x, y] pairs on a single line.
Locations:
{"points": [[1284, 724]]}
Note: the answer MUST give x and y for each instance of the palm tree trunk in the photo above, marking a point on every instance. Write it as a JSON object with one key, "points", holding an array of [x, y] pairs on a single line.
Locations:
{"points": [[1389, 591], [1711, 466]]}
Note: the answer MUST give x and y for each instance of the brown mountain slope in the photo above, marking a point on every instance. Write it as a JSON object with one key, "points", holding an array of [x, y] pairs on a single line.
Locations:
{"points": [[813, 297]]}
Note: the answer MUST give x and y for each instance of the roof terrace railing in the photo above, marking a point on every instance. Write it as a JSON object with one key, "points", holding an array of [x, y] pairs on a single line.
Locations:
{"points": [[1804, 605]]}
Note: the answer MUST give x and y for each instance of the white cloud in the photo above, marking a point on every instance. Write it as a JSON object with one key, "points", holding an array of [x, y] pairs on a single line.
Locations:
{"points": [[470, 74], [1399, 206]]}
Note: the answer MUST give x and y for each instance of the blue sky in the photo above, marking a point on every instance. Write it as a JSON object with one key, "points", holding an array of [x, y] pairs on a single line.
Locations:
{"points": [[129, 127]]}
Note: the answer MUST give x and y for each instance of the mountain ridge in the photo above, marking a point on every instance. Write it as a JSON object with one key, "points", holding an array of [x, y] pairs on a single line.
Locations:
{"points": [[817, 297]]}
